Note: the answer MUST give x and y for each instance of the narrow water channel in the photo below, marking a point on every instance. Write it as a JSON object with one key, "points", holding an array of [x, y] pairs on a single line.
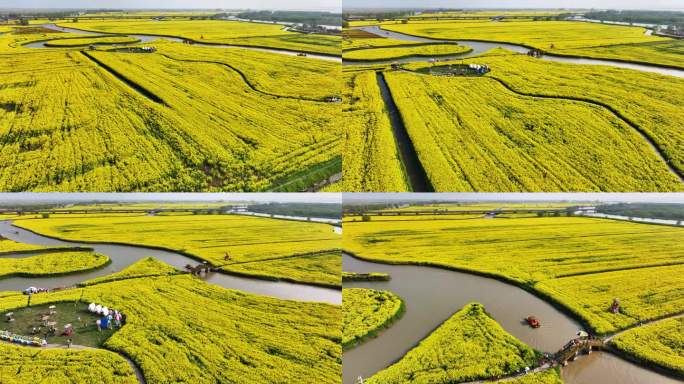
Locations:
{"points": [[432, 295], [417, 177], [482, 46], [148, 38], [124, 255]]}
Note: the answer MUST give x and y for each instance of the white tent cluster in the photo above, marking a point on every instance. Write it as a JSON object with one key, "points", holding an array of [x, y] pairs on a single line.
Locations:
{"points": [[99, 309], [481, 69]]}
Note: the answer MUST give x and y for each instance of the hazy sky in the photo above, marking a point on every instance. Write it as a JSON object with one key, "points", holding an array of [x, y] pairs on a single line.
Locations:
{"points": [[323, 5], [622, 4]]}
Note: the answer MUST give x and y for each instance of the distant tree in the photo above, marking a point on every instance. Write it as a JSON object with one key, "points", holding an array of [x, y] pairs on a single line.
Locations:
{"points": [[74, 20], [404, 21]]}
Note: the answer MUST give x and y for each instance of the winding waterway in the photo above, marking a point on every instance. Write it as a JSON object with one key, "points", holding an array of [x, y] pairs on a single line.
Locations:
{"points": [[124, 255], [148, 38], [480, 47], [432, 295]]}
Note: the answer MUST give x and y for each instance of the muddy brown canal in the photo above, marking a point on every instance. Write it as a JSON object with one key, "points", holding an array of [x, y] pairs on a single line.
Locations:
{"points": [[124, 255], [432, 295]]}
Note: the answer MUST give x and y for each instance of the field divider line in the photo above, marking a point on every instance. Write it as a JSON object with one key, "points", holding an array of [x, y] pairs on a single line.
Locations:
{"points": [[132, 84], [292, 256], [246, 80], [645, 323], [645, 135], [618, 269]]}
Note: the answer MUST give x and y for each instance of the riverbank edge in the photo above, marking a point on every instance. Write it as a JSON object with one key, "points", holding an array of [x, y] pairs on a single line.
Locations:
{"points": [[368, 277], [648, 64], [464, 52], [46, 250], [417, 44], [375, 332], [29, 275], [190, 255], [51, 45], [329, 55]]}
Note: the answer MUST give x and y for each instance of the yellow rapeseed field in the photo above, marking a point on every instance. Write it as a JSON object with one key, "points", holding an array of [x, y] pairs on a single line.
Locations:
{"points": [[473, 134], [247, 241], [582, 263]]}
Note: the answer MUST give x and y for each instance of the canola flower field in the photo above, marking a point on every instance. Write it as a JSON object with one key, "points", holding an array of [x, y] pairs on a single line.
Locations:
{"points": [[568, 38], [182, 119], [366, 312], [142, 268], [426, 50], [53, 263], [468, 346], [218, 32], [581, 264], [9, 246], [472, 134], [353, 41], [284, 247], [92, 41], [648, 100], [371, 157], [661, 344], [172, 336], [630, 112], [20, 365]]}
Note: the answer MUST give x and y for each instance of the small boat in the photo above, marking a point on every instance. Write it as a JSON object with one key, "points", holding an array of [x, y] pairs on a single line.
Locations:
{"points": [[533, 322]]}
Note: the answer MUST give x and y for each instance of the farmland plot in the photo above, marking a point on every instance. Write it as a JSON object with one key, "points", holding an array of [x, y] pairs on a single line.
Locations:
{"points": [[227, 241], [535, 251], [661, 344], [472, 134], [28, 365], [169, 125], [651, 101], [644, 294], [558, 37], [219, 32], [581, 264], [399, 52], [371, 157], [366, 311], [53, 263], [244, 338], [468, 346]]}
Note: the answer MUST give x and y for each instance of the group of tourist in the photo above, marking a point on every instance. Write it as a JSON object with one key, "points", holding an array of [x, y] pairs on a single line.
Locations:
{"points": [[110, 319]]}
